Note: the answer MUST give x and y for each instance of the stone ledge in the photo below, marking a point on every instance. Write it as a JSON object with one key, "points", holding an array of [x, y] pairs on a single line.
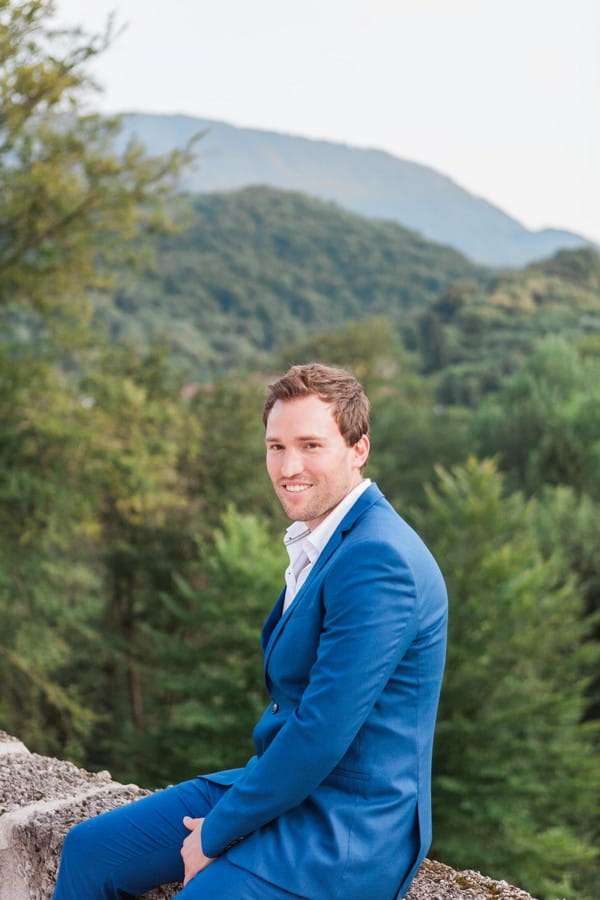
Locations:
{"points": [[10, 744], [42, 798], [33, 779], [436, 881]]}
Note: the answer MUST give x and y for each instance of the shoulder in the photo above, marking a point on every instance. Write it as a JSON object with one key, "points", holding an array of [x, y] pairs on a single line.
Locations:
{"points": [[376, 521], [379, 533]]}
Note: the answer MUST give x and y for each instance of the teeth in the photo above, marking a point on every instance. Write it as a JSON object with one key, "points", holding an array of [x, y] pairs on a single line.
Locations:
{"points": [[296, 488]]}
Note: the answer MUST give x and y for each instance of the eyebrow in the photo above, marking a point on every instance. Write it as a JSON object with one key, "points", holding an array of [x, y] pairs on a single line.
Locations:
{"points": [[302, 437]]}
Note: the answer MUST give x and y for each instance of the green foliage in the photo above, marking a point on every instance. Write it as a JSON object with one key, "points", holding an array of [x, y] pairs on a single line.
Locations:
{"points": [[67, 201], [219, 669], [228, 464], [545, 422], [371, 348], [581, 267], [259, 269], [473, 337], [135, 466], [567, 525], [68, 207], [515, 769], [47, 583], [201, 666]]}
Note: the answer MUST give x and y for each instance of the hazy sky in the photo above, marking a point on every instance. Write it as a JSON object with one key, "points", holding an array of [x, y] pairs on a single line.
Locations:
{"points": [[502, 95]]}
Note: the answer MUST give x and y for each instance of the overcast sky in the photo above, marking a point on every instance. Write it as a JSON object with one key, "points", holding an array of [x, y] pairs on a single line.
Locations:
{"points": [[502, 95]]}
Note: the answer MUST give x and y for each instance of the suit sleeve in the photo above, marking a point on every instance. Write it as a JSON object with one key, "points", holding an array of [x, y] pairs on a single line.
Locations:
{"points": [[369, 622]]}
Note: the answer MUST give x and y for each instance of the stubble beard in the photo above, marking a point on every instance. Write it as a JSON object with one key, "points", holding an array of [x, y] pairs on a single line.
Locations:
{"points": [[318, 508]]}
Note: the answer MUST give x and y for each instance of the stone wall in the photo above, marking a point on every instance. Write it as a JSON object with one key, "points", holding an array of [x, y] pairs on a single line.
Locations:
{"points": [[41, 798]]}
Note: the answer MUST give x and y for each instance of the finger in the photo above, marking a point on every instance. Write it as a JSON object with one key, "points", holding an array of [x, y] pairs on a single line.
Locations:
{"points": [[190, 823]]}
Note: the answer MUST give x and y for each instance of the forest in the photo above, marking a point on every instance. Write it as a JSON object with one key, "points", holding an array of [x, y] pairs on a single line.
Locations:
{"points": [[140, 546]]}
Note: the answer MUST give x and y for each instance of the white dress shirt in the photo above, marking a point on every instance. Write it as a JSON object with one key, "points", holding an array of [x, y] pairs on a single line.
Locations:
{"points": [[304, 545]]}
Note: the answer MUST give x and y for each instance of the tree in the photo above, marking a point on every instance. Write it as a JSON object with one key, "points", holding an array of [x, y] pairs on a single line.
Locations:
{"points": [[515, 769], [432, 342], [68, 206], [229, 465], [204, 672], [95, 520], [133, 466], [567, 525], [48, 584], [68, 202], [544, 424]]}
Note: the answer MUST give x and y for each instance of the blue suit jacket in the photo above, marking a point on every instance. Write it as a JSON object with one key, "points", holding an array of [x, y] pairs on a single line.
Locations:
{"points": [[336, 802]]}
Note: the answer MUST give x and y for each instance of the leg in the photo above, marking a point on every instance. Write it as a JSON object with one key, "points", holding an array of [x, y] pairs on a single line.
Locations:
{"points": [[129, 850], [226, 881]]}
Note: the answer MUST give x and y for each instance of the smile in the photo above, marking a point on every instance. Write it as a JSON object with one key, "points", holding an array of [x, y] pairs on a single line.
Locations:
{"points": [[296, 488]]}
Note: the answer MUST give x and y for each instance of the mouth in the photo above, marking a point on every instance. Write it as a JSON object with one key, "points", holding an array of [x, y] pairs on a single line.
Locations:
{"points": [[295, 488]]}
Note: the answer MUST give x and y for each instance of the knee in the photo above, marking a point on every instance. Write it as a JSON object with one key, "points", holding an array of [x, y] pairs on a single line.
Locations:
{"points": [[79, 841], [77, 875]]}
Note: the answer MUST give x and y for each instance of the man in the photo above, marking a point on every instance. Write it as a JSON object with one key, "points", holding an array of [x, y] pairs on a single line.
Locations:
{"points": [[336, 802]]}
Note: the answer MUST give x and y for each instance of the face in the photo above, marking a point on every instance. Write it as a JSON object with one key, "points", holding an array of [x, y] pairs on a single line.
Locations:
{"points": [[308, 461]]}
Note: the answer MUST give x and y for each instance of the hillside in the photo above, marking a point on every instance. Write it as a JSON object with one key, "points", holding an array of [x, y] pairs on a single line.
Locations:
{"points": [[258, 268], [474, 335], [370, 182]]}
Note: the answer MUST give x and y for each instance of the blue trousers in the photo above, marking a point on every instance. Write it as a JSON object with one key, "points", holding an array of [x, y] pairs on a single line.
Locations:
{"points": [[125, 852]]}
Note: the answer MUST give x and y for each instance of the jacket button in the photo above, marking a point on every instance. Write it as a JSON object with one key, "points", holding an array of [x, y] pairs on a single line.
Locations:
{"points": [[275, 708]]}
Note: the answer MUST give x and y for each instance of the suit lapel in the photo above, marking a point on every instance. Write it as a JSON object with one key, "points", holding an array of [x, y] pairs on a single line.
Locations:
{"points": [[276, 622], [272, 620]]}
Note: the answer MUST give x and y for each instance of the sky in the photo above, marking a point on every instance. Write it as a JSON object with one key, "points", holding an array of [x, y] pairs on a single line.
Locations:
{"points": [[501, 95]]}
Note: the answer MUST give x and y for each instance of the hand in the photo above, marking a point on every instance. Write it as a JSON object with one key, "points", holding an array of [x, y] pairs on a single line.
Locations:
{"points": [[194, 859]]}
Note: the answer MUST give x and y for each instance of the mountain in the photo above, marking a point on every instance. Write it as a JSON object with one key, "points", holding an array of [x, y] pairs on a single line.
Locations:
{"points": [[370, 182], [258, 269], [259, 272]]}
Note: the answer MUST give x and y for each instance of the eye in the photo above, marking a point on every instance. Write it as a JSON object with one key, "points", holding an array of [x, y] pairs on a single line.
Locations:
{"points": [[271, 447]]}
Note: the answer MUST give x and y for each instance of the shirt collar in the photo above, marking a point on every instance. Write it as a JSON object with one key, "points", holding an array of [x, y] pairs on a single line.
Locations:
{"points": [[299, 536]]}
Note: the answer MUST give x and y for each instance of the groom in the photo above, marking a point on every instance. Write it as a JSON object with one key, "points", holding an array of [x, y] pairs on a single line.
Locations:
{"points": [[336, 801]]}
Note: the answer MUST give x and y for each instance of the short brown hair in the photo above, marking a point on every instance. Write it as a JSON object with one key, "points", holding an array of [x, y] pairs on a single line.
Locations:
{"points": [[332, 385]]}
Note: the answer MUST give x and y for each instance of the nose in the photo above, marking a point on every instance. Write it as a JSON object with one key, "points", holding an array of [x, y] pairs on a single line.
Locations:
{"points": [[291, 463]]}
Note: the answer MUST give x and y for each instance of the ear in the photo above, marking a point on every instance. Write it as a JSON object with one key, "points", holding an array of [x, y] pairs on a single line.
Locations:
{"points": [[361, 452]]}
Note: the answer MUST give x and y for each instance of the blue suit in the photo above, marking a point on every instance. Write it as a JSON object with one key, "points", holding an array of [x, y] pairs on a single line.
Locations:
{"points": [[336, 802]]}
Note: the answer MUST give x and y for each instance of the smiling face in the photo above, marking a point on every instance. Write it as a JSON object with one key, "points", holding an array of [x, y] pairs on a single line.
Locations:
{"points": [[309, 463]]}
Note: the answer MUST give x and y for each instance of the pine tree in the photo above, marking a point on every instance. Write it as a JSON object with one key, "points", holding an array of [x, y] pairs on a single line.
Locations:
{"points": [[515, 769], [69, 207]]}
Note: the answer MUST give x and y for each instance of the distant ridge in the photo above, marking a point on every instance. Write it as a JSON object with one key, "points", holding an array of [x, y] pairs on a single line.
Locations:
{"points": [[370, 182], [259, 269]]}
